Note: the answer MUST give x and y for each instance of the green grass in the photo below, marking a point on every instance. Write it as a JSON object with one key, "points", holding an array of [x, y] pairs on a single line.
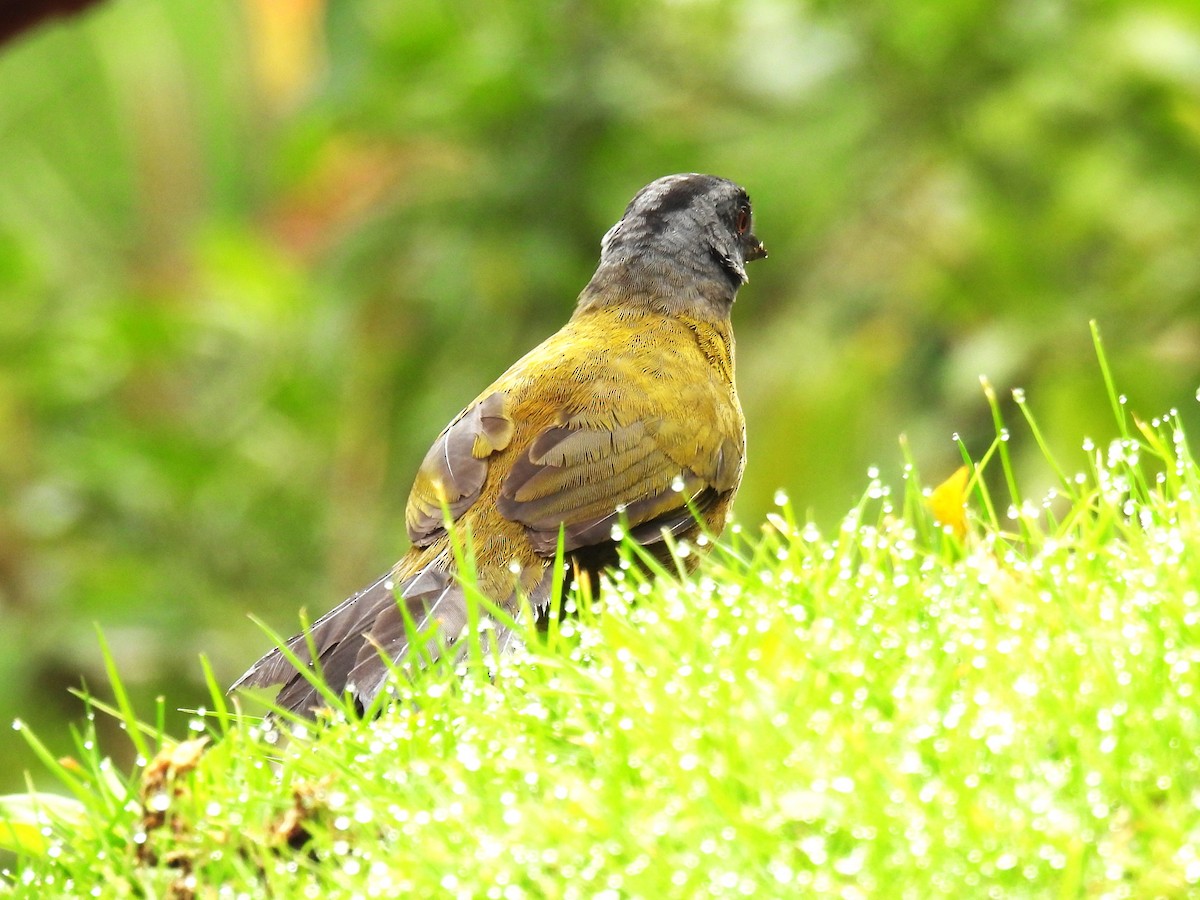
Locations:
{"points": [[884, 711]]}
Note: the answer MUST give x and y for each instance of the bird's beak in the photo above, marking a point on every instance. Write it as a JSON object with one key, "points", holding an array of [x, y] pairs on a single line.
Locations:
{"points": [[754, 249]]}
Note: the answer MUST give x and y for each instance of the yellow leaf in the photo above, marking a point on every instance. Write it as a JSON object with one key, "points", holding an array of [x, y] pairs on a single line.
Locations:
{"points": [[948, 502], [24, 816]]}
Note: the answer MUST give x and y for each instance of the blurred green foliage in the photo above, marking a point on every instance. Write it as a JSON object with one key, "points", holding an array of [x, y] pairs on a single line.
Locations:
{"points": [[254, 255]]}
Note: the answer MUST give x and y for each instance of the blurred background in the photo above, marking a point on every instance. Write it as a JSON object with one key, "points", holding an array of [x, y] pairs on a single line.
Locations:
{"points": [[254, 254]]}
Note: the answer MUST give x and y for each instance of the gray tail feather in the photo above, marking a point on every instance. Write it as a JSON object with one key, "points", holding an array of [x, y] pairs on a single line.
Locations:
{"points": [[350, 639]]}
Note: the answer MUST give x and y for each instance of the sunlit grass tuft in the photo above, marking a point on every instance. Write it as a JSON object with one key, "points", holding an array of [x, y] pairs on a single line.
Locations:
{"points": [[909, 706]]}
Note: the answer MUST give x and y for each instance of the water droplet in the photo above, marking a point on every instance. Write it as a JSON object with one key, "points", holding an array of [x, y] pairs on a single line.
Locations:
{"points": [[159, 802], [851, 865], [814, 848]]}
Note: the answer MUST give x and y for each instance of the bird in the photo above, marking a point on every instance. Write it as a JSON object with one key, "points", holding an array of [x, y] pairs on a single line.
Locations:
{"points": [[628, 416]]}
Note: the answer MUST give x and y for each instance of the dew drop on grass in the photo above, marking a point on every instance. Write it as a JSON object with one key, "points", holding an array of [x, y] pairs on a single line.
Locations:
{"points": [[843, 784], [814, 848], [1026, 685], [159, 802], [1191, 873], [851, 865], [781, 872]]}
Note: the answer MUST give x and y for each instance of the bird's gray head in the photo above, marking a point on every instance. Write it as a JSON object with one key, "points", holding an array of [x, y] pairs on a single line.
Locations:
{"points": [[682, 244]]}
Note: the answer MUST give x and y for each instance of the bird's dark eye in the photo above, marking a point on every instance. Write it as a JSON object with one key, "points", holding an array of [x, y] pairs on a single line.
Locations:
{"points": [[743, 220]]}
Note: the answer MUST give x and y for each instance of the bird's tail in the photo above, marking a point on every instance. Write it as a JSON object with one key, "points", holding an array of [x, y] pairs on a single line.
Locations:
{"points": [[353, 641]]}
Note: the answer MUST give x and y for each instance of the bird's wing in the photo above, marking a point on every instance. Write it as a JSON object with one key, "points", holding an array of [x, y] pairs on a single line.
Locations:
{"points": [[585, 471], [648, 474], [452, 474]]}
